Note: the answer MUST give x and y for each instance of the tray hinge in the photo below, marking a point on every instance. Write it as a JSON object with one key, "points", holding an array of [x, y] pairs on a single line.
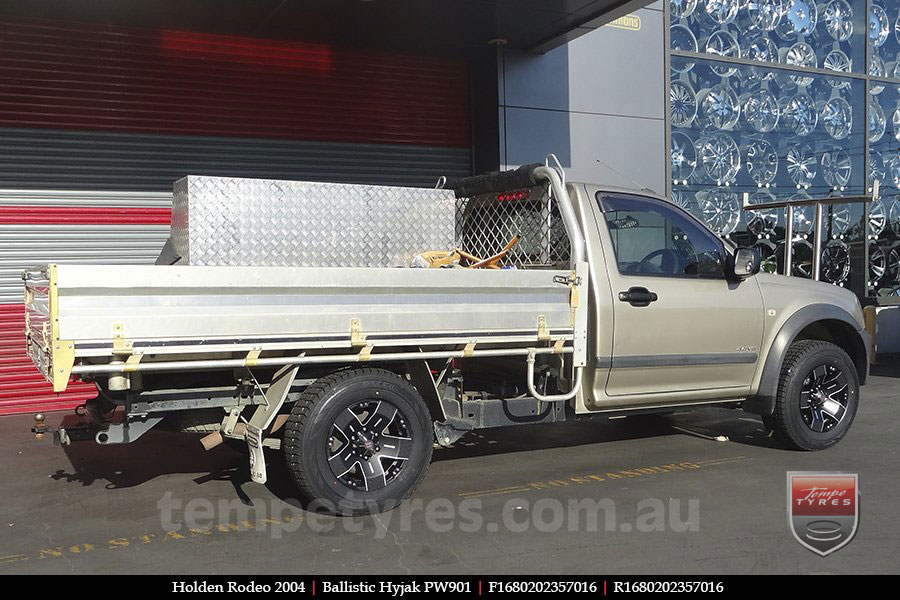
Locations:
{"points": [[120, 344], [543, 333], [357, 338]]}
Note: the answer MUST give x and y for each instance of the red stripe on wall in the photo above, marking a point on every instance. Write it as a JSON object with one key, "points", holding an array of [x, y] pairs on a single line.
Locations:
{"points": [[83, 215], [95, 77], [22, 387]]}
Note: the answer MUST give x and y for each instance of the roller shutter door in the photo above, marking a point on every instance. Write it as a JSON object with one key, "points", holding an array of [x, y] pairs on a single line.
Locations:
{"points": [[96, 123], [37, 227]]}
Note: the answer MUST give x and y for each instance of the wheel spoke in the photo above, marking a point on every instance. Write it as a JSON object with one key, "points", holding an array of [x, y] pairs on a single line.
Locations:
{"points": [[344, 461], [399, 448], [348, 423], [381, 417], [375, 476], [804, 399], [818, 423], [819, 373]]}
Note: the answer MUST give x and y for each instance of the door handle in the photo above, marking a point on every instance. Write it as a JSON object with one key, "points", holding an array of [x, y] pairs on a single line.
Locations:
{"points": [[638, 296]]}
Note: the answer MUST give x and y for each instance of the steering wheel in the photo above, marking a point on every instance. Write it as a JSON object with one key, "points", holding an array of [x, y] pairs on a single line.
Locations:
{"points": [[672, 262]]}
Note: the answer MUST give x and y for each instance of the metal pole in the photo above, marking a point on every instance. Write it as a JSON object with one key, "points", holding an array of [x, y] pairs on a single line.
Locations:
{"points": [[788, 239], [817, 243]]}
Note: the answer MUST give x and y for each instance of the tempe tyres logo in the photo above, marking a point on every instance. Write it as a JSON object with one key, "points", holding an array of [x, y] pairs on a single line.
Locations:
{"points": [[823, 509]]}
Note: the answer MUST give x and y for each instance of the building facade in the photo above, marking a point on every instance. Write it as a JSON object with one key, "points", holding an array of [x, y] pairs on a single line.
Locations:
{"points": [[773, 99]]}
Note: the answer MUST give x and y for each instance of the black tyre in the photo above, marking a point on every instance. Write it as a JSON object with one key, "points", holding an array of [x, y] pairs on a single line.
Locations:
{"points": [[818, 395], [358, 441]]}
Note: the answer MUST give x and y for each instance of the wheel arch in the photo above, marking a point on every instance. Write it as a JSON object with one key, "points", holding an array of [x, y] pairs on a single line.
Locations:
{"points": [[824, 322], [419, 374]]}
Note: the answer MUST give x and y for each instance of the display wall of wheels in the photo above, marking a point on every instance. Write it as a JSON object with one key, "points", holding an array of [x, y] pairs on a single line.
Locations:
{"points": [[753, 108]]}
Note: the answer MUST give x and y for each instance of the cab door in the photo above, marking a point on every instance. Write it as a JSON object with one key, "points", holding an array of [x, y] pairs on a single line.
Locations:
{"points": [[681, 330]]}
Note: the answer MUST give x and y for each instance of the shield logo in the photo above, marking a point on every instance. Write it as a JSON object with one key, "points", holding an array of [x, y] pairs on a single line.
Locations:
{"points": [[823, 509]]}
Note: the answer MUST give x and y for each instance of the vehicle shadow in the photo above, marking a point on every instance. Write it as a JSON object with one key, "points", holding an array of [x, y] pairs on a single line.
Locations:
{"points": [[162, 452], [886, 367], [705, 423], [156, 454]]}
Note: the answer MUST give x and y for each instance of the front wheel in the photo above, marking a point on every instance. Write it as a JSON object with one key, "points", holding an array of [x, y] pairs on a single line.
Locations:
{"points": [[358, 441], [818, 395]]}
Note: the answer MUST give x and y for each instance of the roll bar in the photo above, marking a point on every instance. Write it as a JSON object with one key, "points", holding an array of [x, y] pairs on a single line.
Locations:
{"points": [[528, 176]]}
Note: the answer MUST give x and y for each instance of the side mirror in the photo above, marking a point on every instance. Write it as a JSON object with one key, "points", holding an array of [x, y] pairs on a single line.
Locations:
{"points": [[746, 262]]}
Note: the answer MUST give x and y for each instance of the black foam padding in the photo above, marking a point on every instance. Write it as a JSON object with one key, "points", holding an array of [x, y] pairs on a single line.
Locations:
{"points": [[495, 181]]}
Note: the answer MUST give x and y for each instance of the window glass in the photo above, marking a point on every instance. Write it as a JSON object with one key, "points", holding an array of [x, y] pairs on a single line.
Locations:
{"points": [[652, 238]]}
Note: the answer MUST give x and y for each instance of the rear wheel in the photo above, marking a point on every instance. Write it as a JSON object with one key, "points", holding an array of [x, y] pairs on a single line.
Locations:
{"points": [[818, 395], [358, 441]]}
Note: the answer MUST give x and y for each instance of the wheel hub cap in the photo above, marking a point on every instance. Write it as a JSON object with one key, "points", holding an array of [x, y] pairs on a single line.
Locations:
{"points": [[823, 398]]}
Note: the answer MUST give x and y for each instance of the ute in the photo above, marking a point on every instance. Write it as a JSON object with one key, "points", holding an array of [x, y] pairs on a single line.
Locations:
{"points": [[277, 319]]}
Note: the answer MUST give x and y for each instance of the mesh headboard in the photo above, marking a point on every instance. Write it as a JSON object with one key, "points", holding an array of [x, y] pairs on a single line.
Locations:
{"points": [[487, 222]]}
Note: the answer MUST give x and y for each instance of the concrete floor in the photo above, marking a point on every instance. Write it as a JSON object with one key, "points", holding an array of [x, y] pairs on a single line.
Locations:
{"points": [[90, 509]]}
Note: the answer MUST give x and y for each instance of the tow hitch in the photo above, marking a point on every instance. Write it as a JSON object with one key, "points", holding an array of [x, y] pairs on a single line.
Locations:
{"points": [[76, 429]]}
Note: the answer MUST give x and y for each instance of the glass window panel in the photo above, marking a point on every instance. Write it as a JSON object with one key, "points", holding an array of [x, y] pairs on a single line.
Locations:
{"points": [[773, 134], [828, 34], [884, 165]]}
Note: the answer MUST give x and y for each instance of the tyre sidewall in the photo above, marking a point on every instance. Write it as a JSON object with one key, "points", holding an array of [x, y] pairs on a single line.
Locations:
{"points": [[799, 431], [334, 495]]}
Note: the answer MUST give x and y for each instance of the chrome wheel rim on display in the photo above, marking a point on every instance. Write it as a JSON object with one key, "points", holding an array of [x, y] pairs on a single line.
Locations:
{"points": [[369, 445], [768, 256], [897, 37], [837, 61], [895, 121], [836, 167], [762, 162], [720, 210], [684, 156], [760, 49], [802, 165], [838, 17], [682, 39], [835, 262], [685, 200], [893, 171], [894, 216], [837, 118], [801, 54], [803, 218], [764, 15], [720, 12], [877, 121], [876, 167], [894, 265], [876, 69], [839, 219], [682, 8], [877, 264], [799, 18], [877, 218], [761, 110], [720, 158], [683, 103], [879, 26], [722, 43], [823, 398], [799, 115], [801, 258], [762, 222], [719, 108]]}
